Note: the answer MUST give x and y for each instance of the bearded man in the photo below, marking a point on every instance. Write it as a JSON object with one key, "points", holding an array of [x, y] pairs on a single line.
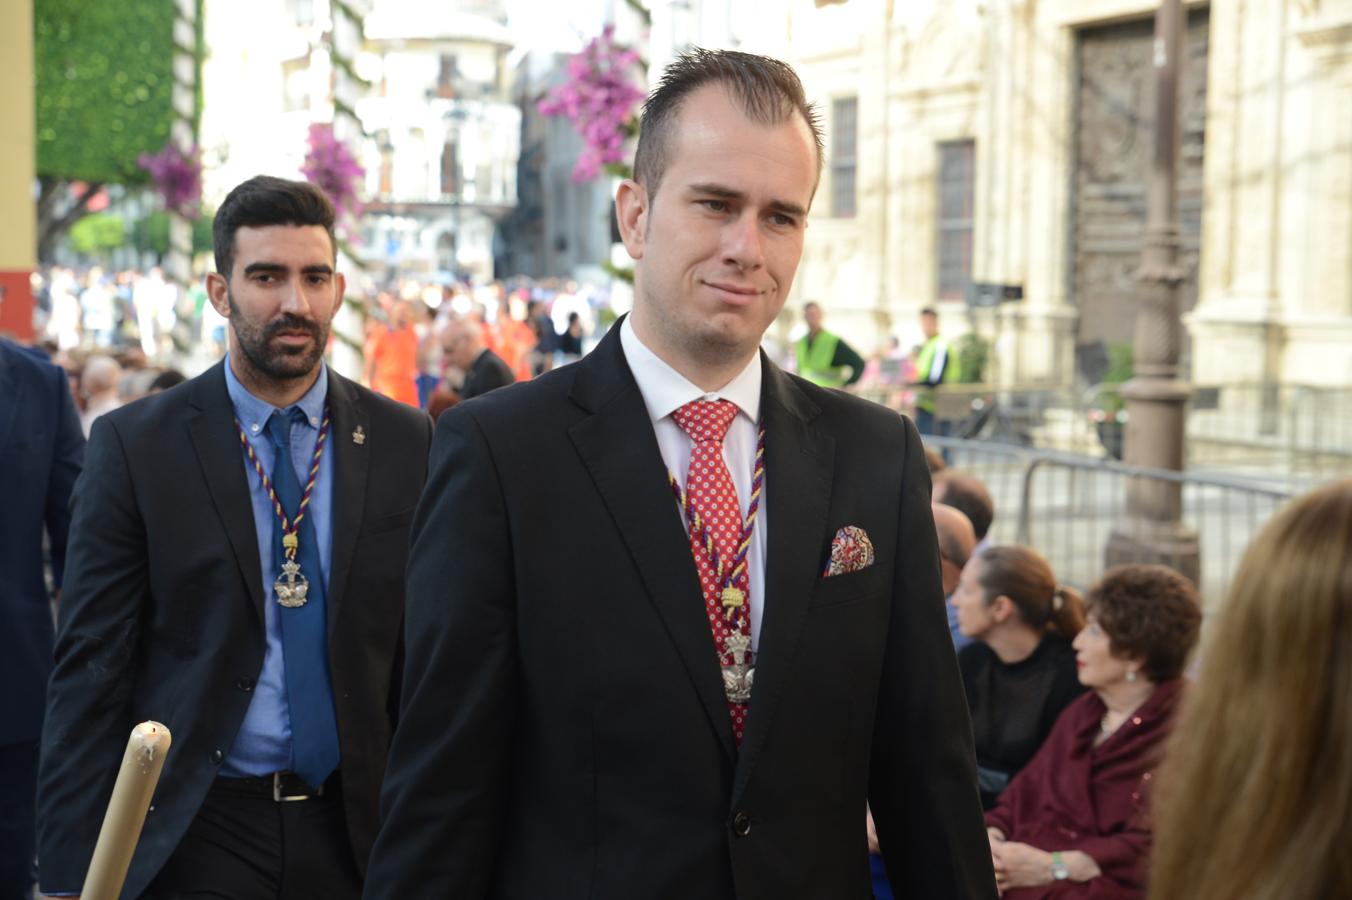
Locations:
{"points": [[236, 571]]}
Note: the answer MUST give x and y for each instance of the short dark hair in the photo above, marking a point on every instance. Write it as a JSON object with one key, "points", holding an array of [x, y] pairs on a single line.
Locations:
{"points": [[1150, 613], [811, 304], [264, 200], [768, 90], [929, 311], [969, 495]]}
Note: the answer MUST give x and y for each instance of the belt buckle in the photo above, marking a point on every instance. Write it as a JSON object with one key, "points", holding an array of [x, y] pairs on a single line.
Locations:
{"points": [[279, 797]]}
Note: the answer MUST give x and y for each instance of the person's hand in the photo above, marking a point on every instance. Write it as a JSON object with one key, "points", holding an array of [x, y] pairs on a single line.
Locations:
{"points": [[1019, 865], [872, 832]]}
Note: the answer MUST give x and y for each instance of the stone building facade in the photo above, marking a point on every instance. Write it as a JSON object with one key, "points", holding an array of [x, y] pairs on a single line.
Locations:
{"points": [[1007, 143]]}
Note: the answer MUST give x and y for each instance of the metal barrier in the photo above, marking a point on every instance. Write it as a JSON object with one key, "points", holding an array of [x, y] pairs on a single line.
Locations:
{"points": [[1065, 506], [1302, 431]]}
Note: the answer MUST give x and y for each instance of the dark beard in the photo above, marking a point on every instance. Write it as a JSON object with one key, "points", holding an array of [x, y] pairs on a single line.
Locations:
{"points": [[277, 362]]}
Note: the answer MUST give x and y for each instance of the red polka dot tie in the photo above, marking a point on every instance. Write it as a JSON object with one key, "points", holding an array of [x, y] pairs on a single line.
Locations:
{"points": [[711, 493]]}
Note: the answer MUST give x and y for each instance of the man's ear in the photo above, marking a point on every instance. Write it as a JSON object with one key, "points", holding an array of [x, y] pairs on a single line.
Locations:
{"points": [[631, 209], [218, 291], [340, 287]]}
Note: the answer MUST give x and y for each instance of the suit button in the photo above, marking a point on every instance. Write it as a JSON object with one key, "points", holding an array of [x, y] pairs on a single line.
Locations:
{"points": [[741, 824], [216, 757], [245, 684]]}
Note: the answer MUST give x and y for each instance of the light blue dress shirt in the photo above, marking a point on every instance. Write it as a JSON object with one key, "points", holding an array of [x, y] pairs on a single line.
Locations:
{"points": [[263, 744]]}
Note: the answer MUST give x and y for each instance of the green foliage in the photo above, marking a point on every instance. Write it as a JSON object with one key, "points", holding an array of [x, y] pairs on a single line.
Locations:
{"points": [[95, 234], [623, 274], [103, 78], [974, 353], [1121, 364], [150, 234]]}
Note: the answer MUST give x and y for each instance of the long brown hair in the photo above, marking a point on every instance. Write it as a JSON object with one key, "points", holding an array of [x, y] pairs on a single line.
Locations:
{"points": [[1025, 577], [1255, 794]]}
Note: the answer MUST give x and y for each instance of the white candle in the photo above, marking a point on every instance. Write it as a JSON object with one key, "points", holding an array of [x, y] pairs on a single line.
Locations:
{"points": [[136, 780]]}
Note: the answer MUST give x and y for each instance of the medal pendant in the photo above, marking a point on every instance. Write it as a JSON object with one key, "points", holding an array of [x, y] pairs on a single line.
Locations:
{"points": [[292, 586], [738, 676]]}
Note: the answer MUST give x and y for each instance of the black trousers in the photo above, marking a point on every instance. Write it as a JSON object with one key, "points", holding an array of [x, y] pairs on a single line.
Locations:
{"points": [[18, 812], [246, 846]]}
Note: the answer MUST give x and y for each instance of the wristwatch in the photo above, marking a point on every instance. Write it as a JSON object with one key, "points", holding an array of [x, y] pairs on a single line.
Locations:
{"points": [[1059, 870]]}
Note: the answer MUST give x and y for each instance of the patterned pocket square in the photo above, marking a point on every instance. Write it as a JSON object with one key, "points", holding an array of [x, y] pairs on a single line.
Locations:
{"points": [[851, 550]]}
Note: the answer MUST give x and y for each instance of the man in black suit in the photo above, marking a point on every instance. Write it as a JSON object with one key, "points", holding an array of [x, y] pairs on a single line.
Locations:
{"points": [[484, 370], [236, 571], [41, 451], [741, 657]]}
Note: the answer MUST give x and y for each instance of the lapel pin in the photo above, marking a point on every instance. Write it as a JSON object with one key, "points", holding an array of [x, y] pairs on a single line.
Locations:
{"points": [[359, 436]]}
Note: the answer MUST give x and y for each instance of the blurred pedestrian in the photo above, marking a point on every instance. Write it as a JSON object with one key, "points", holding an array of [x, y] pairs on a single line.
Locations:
{"points": [[100, 382], [465, 350], [392, 356], [41, 452], [1255, 796]]}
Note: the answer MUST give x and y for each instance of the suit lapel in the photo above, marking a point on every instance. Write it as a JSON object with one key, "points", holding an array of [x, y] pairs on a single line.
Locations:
{"points": [[798, 467], [348, 501], [216, 441], [618, 447]]}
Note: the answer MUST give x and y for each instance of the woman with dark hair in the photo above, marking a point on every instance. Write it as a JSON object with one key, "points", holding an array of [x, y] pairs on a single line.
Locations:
{"points": [[1255, 795], [1073, 823], [1019, 670]]}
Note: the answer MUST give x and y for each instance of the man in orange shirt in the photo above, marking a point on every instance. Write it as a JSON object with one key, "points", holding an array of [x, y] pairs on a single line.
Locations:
{"points": [[392, 357]]}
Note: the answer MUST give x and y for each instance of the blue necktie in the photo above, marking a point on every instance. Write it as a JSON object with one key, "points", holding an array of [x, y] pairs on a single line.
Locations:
{"points": [[314, 726]]}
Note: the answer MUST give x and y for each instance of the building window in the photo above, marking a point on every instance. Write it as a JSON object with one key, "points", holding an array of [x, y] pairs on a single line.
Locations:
{"points": [[957, 182], [844, 129]]}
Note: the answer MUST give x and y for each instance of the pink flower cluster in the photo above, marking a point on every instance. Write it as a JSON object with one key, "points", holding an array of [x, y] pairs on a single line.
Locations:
{"points": [[599, 101], [330, 165], [177, 175]]}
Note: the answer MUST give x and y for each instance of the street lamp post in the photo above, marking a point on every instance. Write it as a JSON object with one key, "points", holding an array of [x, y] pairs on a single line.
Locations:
{"points": [[1152, 529]]}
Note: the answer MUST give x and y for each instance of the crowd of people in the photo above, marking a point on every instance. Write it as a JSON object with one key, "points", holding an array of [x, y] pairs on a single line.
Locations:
{"points": [[1106, 768], [662, 622]]}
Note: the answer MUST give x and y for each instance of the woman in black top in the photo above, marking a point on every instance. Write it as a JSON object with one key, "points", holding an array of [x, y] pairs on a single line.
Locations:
{"points": [[1019, 671]]}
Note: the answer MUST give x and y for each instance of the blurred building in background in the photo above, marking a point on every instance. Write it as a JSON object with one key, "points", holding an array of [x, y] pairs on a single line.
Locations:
{"points": [[562, 227], [443, 136], [1001, 148], [439, 134]]}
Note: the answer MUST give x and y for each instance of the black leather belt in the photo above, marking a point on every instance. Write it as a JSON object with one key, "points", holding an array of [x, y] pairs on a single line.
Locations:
{"points": [[280, 787]]}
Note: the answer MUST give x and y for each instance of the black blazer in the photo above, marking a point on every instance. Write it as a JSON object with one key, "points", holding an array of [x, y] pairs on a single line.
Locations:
{"points": [[569, 738], [488, 372], [41, 451], [162, 614]]}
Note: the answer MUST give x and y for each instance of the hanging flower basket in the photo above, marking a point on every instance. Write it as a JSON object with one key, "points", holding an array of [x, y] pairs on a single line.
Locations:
{"points": [[332, 167], [600, 101], [177, 176]]}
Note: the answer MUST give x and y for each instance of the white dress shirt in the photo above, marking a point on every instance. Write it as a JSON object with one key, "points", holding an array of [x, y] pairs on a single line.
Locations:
{"points": [[664, 391]]}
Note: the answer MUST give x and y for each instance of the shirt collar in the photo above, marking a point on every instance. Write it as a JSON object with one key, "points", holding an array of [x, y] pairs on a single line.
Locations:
{"points": [[665, 390], [253, 413]]}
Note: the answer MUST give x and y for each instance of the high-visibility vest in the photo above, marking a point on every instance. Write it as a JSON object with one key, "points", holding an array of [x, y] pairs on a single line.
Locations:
{"points": [[814, 362], [935, 351]]}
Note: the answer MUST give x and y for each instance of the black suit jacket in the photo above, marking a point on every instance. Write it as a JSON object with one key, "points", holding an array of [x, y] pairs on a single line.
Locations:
{"points": [[162, 614], [488, 372], [569, 738], [41, 451]]}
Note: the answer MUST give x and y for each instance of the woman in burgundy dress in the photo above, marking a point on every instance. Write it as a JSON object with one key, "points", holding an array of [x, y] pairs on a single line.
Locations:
{"points": [[1073, 823]]}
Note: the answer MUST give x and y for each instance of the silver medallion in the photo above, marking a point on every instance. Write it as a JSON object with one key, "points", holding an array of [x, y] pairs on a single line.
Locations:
{"points": [[291, 587], [739, 675]]}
